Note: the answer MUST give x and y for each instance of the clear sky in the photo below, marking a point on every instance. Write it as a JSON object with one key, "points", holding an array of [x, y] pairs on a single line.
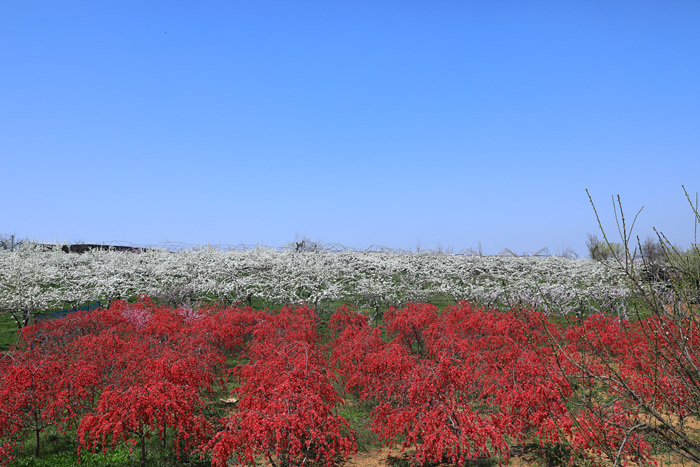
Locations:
{"points": [[359, 122]]}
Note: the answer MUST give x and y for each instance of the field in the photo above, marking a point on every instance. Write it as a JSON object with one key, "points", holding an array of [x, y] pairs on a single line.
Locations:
{"points": [[35, 279], [525, 361]]}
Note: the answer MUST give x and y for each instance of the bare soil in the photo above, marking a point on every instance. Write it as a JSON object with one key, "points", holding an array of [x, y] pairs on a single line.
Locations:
{"points": [[380, 458]]}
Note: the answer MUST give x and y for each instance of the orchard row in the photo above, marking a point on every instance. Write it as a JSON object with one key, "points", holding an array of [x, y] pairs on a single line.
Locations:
{"points": [[465, 383], [34, 279]]}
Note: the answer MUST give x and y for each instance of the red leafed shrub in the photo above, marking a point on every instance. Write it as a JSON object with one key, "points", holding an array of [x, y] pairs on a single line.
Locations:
{"points": [[7, 455], [132, 412], [664, 361], [481, 384], [478, 384], [344, 317], [603, 435], [353, 354], [45, 381], [54, 334], [286, 410], [433, 410], [513, 373], [40, 390], [353, 346], [600, 335], [647, 369], [121, 374], [33, 395], [410, 322], [292, 324], [229, 330], [149, 383], [369, 367]]}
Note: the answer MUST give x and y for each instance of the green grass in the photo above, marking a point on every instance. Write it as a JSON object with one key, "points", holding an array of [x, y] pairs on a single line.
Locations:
{"points": [[8, 333], [61, 450], [358, 415]]}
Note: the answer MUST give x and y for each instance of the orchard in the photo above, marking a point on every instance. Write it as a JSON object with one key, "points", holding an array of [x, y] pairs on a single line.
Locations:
{"points": [[292, 357], [453, 386], [36, 278]]}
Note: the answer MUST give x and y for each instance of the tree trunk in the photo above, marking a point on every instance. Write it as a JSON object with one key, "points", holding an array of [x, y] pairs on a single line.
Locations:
{"points": [[37, 430], [143, 451]]}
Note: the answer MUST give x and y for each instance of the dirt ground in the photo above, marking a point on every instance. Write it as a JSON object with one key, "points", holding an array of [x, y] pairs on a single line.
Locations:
{"points": [[380, 459]]}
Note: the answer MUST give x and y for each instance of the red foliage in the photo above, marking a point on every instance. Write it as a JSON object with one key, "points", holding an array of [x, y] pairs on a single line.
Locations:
{"points": [[55, 334], [353, 347], [478, 384], [292, 324], [229, 330], [130, 412], [646, 366], [7, 455], [410, 322], [119, 375], [486, 379], [465, 383], [41, 390], [435, 415], [344, 317], [510, 372], [287, 406], [152, 378]]}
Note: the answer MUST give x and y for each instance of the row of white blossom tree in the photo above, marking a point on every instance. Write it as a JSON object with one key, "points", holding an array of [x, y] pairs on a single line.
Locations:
{"points": [[35, 278]]}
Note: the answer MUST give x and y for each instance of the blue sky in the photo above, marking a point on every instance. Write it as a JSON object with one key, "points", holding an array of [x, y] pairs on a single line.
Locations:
{"points": [[366, 122]]}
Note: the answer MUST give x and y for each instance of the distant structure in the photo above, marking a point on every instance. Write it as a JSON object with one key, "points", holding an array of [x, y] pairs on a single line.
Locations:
{"points": [[84, 247]]}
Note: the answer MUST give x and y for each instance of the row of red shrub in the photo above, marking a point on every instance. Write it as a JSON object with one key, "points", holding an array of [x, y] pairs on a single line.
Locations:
{"points": [[468, 382], [138, 370], [472, 382]]}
